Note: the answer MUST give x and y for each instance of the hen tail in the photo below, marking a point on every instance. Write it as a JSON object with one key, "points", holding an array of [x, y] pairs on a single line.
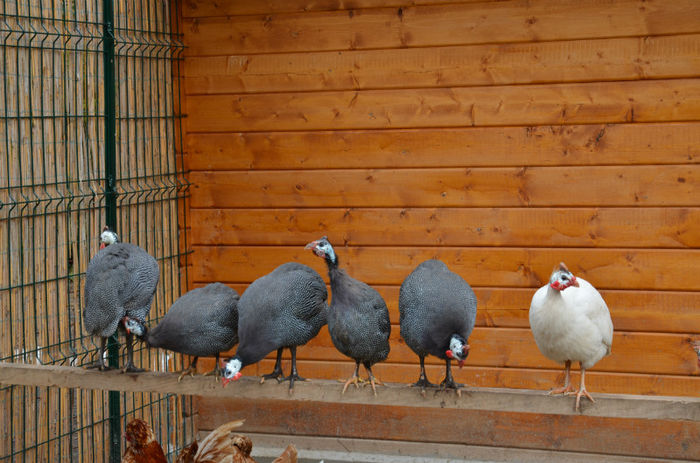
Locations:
{"points": [[216, 437], [288, 456]]}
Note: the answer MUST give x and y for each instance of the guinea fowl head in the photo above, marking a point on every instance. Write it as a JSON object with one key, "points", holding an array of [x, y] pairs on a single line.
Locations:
{"points": [[232, 370], [459, 349], [322, 248], [108, 237], [562, 278], [133, 326]]}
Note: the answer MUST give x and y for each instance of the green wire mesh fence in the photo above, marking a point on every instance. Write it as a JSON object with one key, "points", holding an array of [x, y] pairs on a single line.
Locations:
{"points": [[53, 93]]}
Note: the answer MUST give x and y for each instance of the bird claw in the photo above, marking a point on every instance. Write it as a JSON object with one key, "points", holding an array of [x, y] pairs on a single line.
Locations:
{"points": [[582, 392], [130, 368], [354, 380]]}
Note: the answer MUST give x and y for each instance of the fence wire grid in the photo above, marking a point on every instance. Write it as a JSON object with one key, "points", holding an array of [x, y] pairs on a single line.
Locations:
{"points": [[53, 91]]}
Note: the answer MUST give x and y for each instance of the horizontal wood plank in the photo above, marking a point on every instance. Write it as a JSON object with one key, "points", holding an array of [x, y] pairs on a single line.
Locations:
{"points": [[457, 187], [580, 103], [566, 227], [639, 269], [516, 378], [623, 144], [438, 25], [204, 8], [646, 353], [634, 310], [640, 437], [494, 64]]}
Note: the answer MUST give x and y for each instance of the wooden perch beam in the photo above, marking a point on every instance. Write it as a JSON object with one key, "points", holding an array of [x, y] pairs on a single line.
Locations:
{"points": [[501, 400]]}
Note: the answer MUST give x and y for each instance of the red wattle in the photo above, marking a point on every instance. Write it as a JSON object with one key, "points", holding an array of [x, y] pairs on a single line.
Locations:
{"points": [[449, 354]]}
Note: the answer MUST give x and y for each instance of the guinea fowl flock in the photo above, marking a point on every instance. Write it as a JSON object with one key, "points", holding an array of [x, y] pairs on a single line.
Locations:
{"points": [[288, 307]]}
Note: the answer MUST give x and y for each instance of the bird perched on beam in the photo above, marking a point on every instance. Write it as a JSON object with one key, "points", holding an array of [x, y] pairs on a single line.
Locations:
{"points": [[120, 282], [358, 319], [571, 323]]}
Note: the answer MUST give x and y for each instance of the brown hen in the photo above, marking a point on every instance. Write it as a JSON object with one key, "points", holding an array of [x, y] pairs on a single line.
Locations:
{"points": [[142, 446], [222, 445]]}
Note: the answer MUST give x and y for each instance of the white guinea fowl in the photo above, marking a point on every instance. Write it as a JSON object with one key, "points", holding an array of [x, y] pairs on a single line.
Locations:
{"points": [[571, 323]]}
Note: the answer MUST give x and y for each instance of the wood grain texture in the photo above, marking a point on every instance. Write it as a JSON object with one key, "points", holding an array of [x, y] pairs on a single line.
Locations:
{"points": [[457, 187], [648, 269], [659, 227], [581, 103], [631, 310], [623, 144], [662, 354], [203, 8], [501, 137], [438, 25], [630, 58], [515, 378], [644, 438]]}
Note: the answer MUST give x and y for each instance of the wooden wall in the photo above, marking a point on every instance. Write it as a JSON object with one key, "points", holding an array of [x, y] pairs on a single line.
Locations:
{"points": [[499, 136]]}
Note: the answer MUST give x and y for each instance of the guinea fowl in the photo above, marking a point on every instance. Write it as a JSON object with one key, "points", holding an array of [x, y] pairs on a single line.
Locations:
{"points": [[201, 323], [120, 282], [571, 325], [285, 308], [358, 319], [437, 310]]}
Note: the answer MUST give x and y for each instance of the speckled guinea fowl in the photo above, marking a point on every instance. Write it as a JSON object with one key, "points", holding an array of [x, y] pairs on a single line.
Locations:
{"points": [[358, 319], [285, 308], [437, 314], [201, 323], [120, 282]]}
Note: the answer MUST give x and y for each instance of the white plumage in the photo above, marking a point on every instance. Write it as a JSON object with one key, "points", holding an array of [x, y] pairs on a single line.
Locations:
{"points": [[571, 323]]}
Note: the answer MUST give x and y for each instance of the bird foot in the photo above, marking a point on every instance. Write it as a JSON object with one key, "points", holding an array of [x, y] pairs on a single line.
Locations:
{"points": [[187, 371], [131, 368], [566, 390], [216, 372], [274, 375], [356, 380], [99, 366], [373, 382], [450, 384], [291, 378], [423, 383], [582, 392]]}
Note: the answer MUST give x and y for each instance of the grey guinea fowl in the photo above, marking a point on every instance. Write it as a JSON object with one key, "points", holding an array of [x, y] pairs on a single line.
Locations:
{"points": [[437, 313], [201, 323], [285, 308], [120, 282], [358, 319]]}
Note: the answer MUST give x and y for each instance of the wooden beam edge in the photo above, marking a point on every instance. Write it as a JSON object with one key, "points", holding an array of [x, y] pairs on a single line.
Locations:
{"points": [[393, 394]]}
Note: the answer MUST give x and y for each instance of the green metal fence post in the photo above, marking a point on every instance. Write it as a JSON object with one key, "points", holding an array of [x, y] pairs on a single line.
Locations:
{"points": [[111, 207]]}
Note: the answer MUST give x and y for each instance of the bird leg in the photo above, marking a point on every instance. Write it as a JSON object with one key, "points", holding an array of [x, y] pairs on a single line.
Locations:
{"points": [[449, 381], [372, 379], [423, 378], [293, 375], [190, 370], [567, 389], [354, 379], [100, 362], [130, 367], [582, 389], [277, 372], [216, 371]]}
